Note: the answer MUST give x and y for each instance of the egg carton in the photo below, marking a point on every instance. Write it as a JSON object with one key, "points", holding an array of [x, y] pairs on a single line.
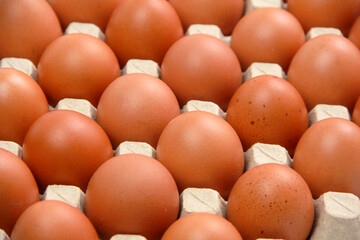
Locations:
{"points": [[251, 5], [317, 31], [3, 235], [71, 195], [324, 111], [12, 147], [21, 64], [128, 147], [194, 200], [127, 237], [85, 28], [261, 153]]}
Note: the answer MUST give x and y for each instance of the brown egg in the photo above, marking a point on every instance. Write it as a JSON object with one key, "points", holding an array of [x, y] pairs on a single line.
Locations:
{"points": [[77, 66], [325, 70], [53, 220], [26, 28], [65, 147], [201, 226], [271, 201], [201, 67], [325, 13], [18, 189], [224, 14], [269, 35], [201, 150], [268, 109], [94, 11], [356, 112], [328, 157], [21, 102], [143, 29], [354, 34], [136, 107], [132, 194]]}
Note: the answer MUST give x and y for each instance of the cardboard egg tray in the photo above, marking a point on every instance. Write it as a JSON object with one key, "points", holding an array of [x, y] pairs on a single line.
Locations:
{"points": [[337, 215]]}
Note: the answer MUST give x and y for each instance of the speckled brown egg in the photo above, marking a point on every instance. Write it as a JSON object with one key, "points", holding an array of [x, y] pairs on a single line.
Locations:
{"points": [[268, 109], [271, 201]]}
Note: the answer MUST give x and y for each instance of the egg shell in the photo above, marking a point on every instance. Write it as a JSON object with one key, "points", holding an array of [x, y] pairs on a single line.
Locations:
{"points": [[143, 29], [21, 102], [325, 71], [132, 194], [51, 219], [26, 28], [327, 157], [224, 14], [65, 147], [136, 107], [271, 201], [356, 112], [18, 189], [77, 66], [201, 67], [354, 34], [97, 12], [201, 226], [268, 109], [325, 13], [201, 150], [269, 35]]}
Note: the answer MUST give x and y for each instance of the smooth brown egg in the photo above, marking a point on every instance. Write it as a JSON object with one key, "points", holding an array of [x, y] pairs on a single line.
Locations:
{"points": [[53, 220], [224, 14], [201, 150], [268, 109], [354, 34], [271, 201], [328, 157], [356, 113], [77, 66], [325, 70], [270, 35], [143, 29], [97, 12], [18, 189], [136, 107], [26, 28], [201, 226], [325, 13], [21, 102], [65, 147], [201, 67], [132, 194]]}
